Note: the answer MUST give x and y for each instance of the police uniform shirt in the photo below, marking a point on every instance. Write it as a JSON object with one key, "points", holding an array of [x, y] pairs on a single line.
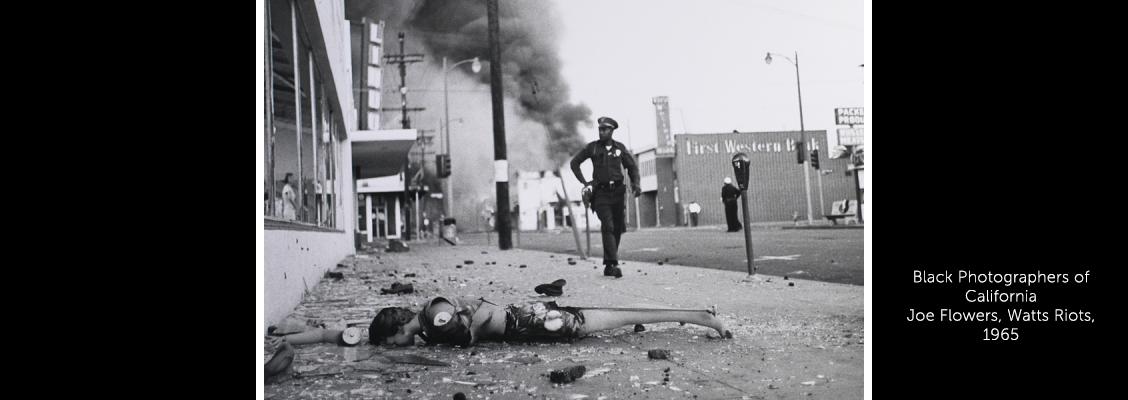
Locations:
{"points": [[607, 162], [729, 192]]}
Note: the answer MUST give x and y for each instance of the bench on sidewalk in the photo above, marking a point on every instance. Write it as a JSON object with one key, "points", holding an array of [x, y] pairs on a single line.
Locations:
{"points": [[846, 210]]}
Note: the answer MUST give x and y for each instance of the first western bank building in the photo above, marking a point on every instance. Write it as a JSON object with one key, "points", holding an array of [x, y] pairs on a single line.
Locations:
{"points": [[700, 162]]}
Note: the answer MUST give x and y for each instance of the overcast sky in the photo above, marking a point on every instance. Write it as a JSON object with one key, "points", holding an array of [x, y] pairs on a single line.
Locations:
{"points": [[707, 56]]}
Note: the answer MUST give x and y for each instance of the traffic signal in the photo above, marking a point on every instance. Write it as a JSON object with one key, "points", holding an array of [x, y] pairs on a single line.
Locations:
{"points": [[800, 150], [815, 158], [443, 163]]}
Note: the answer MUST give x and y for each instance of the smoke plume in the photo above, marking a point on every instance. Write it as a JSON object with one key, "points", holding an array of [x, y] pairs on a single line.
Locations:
{"points": [[531, 65], [457, 29], [545, 132]]}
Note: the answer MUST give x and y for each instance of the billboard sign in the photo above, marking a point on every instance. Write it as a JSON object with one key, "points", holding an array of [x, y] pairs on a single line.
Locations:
{"points": [[849, 116], [662, 114], [851, 136]]}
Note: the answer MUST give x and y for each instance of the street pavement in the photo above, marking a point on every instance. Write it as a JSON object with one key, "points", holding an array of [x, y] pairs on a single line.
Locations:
{"points": [[822, 253], [794, 338]]}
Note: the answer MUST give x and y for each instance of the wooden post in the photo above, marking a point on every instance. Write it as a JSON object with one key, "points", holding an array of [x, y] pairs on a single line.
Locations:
{"points": [[575, 233]]}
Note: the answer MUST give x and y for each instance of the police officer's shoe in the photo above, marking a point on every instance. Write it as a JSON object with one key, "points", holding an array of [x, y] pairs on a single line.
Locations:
{"points": [[612, 270]]}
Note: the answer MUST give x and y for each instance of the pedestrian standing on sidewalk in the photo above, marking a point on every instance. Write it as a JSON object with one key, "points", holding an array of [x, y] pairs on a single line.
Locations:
{"points": [[608, 158], [289, 205], [729, 194], [467, 321], [694, 211]]}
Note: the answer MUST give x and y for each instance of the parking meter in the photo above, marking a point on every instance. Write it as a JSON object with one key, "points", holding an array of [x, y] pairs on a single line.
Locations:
{"points": [[740, 167]]}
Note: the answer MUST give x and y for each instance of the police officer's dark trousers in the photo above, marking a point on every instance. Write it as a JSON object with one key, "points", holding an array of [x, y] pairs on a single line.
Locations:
{"points": [[730, 215], [607, 202]]}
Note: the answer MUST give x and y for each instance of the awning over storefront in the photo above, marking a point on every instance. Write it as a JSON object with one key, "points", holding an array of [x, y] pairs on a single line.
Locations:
{"points": [[383, 184], [380, 153]]}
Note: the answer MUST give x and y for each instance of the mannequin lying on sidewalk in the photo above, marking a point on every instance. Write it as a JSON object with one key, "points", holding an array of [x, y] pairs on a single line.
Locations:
{"points": [[341, 337], [284, 351], [468, 321], [471, 320]]}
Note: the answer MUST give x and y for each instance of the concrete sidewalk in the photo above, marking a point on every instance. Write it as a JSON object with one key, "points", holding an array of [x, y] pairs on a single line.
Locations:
{"points": [[793, 338]]}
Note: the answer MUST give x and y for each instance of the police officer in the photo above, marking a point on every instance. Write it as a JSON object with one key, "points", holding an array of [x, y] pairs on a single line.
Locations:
{"points": [[729, 194], [608, 158]]}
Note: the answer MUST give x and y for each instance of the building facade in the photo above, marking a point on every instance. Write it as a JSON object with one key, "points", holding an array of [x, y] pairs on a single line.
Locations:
{"points": [[541, 197], [658, 204], [313, 147], [775, 191], [686, 168]]}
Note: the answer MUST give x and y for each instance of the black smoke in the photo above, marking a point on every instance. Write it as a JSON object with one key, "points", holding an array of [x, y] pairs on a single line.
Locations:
{"points": [[531, 67]]}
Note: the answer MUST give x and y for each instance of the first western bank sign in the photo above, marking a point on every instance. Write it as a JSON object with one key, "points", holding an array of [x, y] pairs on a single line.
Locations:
{"points": [[731, 146]]}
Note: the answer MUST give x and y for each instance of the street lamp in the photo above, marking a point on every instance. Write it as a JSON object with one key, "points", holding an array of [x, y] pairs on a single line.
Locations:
{"points": [[802, 132], [448, 190]]}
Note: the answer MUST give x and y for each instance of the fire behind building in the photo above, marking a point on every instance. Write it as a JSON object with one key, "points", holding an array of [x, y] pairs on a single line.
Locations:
{"points": [[700, 162]]}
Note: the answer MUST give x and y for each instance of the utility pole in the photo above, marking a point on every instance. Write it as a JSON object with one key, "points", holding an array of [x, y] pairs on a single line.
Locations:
{"points": [[501, 164], [419, 182], [806, 159], [448, 183], [403, 84], [402, 59], [806, 146]]}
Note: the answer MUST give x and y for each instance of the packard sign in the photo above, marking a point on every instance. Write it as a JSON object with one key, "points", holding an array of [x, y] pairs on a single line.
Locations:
{"points": [[848, 116]]}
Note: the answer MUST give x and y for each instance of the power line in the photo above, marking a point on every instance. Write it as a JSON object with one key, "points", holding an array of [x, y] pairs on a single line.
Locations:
{"points": [[403, 59]]}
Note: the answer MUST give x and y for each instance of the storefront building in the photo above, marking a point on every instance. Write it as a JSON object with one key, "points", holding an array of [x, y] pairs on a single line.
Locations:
{"points": [[776, 191], [314, 147]]}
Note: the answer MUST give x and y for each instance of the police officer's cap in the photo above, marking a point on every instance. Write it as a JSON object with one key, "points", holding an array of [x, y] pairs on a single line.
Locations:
{"points": [[608, 122]]}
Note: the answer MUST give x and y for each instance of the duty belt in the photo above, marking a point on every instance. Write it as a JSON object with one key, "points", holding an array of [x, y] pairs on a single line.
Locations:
{"points": [[608, 185]]}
